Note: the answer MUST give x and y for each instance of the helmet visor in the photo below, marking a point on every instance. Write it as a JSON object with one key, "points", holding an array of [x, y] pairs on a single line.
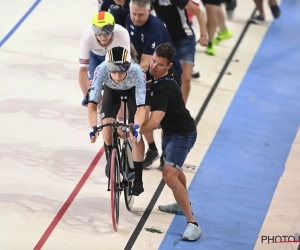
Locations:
{"points": [[117, 67], [105, 30]]}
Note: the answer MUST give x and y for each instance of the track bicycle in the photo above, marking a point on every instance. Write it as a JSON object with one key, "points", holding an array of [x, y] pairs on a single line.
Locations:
{"points": [[121, 174]]}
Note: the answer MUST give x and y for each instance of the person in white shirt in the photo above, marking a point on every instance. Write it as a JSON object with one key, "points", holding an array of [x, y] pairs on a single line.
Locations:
{"points": [[103, 35]]}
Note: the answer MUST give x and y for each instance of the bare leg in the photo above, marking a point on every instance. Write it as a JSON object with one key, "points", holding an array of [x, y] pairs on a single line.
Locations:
{"points": [[182, 179], [186, 80], [211, 11], [260, 8], [220, 18], [171, 177]]}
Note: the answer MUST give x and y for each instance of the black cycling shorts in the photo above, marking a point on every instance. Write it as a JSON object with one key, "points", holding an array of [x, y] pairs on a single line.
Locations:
{"points": [[111, 103]]}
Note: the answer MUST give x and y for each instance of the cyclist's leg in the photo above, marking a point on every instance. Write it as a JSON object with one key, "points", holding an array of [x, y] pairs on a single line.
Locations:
{"points": [[110, 106], [138, 149]]}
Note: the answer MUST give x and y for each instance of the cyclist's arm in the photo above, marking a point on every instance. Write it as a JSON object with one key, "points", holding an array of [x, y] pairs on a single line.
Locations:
{"points": [[92, 114], [84, 59], [140, 97], [159, 105], [140, 115], [83, 80], [95, 94]]}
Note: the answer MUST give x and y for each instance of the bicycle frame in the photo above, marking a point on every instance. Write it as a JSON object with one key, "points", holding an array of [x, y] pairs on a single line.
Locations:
{"points": [[125, 143], [122, 158]]}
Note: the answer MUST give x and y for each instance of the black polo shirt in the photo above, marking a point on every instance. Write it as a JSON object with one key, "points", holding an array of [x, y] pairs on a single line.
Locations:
{"points": [[167, 97]]}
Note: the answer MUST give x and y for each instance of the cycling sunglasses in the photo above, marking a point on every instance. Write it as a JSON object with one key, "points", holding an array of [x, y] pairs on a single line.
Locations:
{"points": [[117, 67], [105, 30]]}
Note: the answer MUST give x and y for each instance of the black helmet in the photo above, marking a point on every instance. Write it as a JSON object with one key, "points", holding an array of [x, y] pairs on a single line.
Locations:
{"points": [[118, 59]]}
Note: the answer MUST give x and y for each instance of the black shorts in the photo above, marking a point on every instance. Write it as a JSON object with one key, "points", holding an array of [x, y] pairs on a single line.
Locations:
{"points": [[213, 2], [111, 103]]}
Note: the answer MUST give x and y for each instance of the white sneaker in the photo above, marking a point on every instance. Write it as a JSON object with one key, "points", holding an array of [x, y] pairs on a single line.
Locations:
{"points": [[192, 232]]}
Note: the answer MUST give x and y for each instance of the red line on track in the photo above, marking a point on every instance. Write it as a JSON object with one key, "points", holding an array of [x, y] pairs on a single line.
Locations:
{"points": [[69, 201]]}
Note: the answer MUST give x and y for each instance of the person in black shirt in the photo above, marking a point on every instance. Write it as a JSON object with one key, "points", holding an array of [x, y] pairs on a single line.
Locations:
{"points": [[179, 133], [174, 15], [118, 8]]}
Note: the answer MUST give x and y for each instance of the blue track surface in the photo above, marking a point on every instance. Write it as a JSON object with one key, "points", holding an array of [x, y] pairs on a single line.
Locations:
{"points": [[236, 181]]}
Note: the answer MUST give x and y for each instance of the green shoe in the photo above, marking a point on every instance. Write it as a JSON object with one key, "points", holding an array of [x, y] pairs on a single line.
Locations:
{"points": [[222, 35], [210, 50]]}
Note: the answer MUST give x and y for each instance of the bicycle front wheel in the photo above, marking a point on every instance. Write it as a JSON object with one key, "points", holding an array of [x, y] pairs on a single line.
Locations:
{"points": [[128, 162], [115, 189]]}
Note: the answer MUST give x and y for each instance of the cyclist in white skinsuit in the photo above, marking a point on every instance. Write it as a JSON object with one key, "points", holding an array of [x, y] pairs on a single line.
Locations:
{"points": [[120, 77], [95, 42]]}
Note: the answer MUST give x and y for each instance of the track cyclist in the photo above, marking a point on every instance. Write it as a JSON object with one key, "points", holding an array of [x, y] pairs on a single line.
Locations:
{"points": [[120, 77], [103, 35]]}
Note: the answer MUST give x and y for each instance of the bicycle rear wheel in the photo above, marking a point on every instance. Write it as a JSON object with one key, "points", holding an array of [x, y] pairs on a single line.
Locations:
{"points": [[115, 189], [129, 198]]}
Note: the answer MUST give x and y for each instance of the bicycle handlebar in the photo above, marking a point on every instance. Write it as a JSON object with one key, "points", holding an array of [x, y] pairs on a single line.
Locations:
{"points": [[114, 125]]}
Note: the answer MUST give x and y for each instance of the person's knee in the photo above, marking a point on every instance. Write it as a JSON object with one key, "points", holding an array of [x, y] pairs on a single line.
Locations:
{"points": [[170, 175], [187, 70], [211, 11], [107, 120], [107, 131]]}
